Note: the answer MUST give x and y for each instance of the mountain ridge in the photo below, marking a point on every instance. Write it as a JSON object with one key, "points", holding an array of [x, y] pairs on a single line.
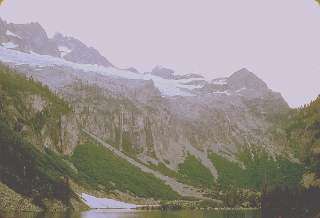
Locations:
{"points": [[183, 126], [73, 50], [176, 99]]}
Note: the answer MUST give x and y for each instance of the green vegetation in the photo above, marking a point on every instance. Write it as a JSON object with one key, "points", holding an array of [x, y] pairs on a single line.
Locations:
{"points": [[14, 87], [259, 169], [162, 168], [187, 204], [230, 173], [17, 96], [193, 172], [190, 172], [262, 169], [302, 128], [100, 167], [30, 172], [11, 201], [38, 174], [242, 184], [301, 131]]}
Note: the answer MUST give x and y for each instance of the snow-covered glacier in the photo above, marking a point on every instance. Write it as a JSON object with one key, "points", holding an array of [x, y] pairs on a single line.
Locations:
{"points": [[167, 87]]}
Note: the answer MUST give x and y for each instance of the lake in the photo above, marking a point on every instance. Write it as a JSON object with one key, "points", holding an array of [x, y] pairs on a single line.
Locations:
{"points": [[139, 214]]}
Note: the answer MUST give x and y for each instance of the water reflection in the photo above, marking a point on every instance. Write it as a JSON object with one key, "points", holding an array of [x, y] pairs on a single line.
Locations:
{"points": [[138, 214]]}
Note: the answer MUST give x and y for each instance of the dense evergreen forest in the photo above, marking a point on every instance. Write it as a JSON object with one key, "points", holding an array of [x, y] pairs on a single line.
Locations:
{"points": [[302, 129]]}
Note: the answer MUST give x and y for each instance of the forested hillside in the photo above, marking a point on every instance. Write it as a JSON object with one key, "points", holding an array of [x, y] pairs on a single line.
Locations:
{"points": [[26, 165], [302, 131], [32, 142]]}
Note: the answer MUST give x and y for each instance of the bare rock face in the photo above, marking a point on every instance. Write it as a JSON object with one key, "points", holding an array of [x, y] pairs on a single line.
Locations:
{"points": [[136, 115], [60, 133], [74, 50], [167, 73], [37, 103], [163, 72], [40, 119], [32, 38], [246, 79], [2, 29], [69, 133], [166, 129]]}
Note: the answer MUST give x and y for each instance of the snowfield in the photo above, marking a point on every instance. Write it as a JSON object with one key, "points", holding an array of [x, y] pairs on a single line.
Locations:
{"points": [[105, 203], [9, 45], [222, 93], [222, 81], [9, 33], [64, 50], [167, 87]]}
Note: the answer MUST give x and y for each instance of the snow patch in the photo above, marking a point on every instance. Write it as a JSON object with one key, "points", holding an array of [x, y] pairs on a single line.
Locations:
{"points": [[9, 45], [9, 33], [64, 50], [240, 90], [222, 93], [220, 81], [105, 203], [167, 87]]}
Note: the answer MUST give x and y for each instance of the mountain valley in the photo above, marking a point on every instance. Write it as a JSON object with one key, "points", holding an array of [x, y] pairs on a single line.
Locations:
{"points": [[75, 123]]}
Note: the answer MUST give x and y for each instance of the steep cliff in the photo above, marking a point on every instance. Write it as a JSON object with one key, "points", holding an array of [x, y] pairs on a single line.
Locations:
{"points": [[36, 113], [162, 120]]}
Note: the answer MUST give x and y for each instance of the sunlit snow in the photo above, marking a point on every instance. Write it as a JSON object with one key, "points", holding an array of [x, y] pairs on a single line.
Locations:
{"points": [[220, 81], [105, 203], [9, 45], [9, 33], [167, 87], [222, 93], [64, 50], [242, 89]]}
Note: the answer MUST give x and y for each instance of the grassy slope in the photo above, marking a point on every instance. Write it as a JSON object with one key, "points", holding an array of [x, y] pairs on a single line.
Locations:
{"points": [[23, 168], [30, 172], [100, 167], [15, 90], [259, 169], [40, 174], [193, 172], [16, 86], [190, 172], [230, 173], [162, 168]]}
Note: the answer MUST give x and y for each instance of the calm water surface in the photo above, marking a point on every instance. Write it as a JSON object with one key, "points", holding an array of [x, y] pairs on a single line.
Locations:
{"points": [[138, 214]]}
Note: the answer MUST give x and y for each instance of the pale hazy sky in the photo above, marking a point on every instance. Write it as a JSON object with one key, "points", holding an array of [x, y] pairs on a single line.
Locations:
{"points": [[279, 40]]}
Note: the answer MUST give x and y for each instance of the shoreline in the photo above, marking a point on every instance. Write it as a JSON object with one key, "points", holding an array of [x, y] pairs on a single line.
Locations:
{"points": [[143, 208]]}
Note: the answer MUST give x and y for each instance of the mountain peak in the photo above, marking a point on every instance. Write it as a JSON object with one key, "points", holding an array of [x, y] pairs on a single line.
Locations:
{"points": [[74, 50], [163, 72], [246, 79], [132, 69], [244, 72], [32, 37]]}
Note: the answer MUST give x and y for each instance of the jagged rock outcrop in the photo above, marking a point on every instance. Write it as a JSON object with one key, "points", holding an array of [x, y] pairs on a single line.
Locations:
{"points": [[29, 38], [32, 38], [157, 116], [74, 50], [37, 114], [163, 72], [167, 73]]}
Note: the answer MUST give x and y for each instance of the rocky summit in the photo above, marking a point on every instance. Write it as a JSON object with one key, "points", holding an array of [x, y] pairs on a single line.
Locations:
{"points": [[125, 134], [160, 116]]}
